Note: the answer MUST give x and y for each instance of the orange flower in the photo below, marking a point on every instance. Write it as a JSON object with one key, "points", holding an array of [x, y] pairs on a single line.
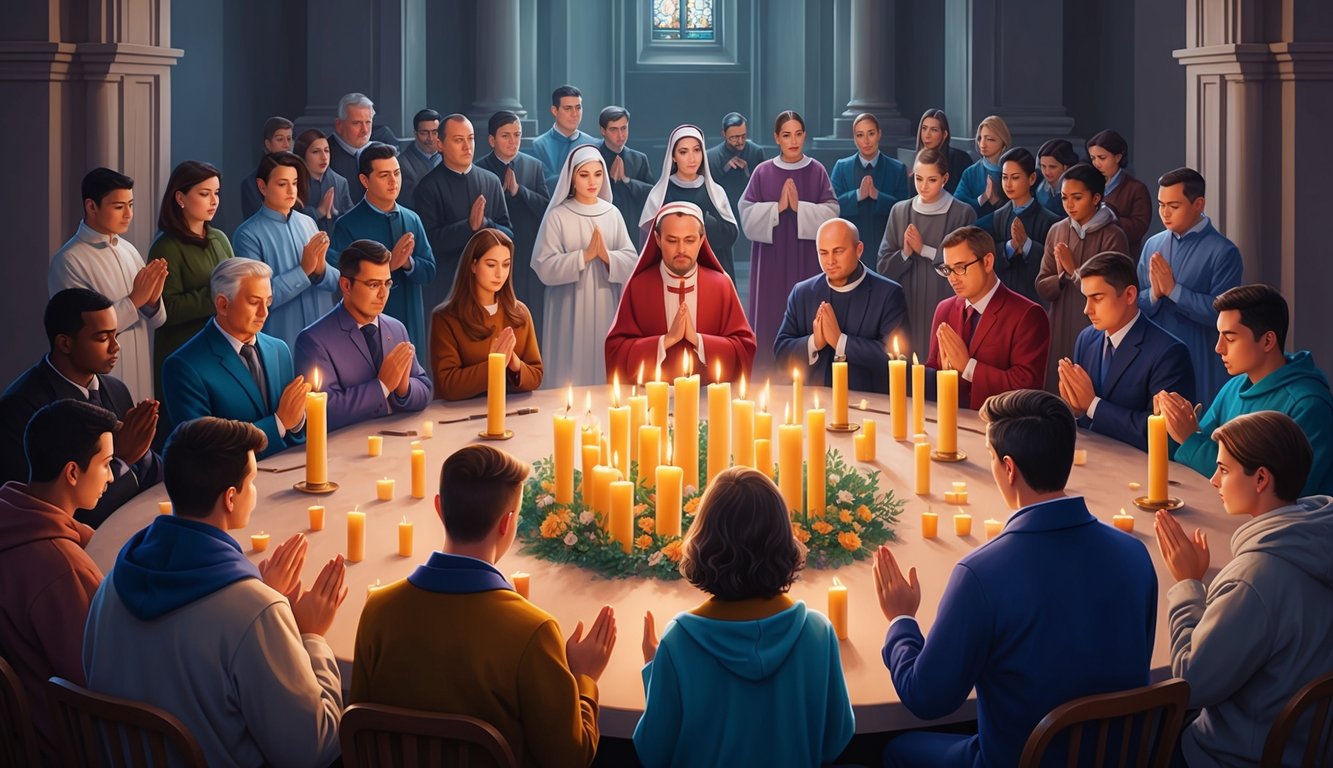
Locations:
{"points": [[647, 524], [801, 534], [864, 513], [822, 527], [672, 551], [845, 515], [692, 505], [849, 541], [639, 509], [643, 542], [552, 527], [546, 486]]}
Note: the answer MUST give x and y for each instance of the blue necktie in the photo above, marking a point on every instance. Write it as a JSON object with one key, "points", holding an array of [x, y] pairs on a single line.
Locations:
{"points": [[1108, 354], [372, 334]]}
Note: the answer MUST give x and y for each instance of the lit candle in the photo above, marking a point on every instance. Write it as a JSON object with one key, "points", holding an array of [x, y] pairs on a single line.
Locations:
{"points": [[316, 517], [374, 445], [1157, 459], [946, 405], [918, 396], [428, 429], [742, 429], [959, 485], [922, 456], [1080, 456], [840, 417], [592, 456], [837, 608], [930, 524], [316, 435], [1123, 521], [618, 417], [356, 536], [797, 399], [950, 497], [259, 541], [789, 462], [670, 485], [522, 583], [602, 477], [898, 393], [384, 488], [719, 424], [495, 393], [622, 514], [659, 403], [590, 437], [650, 444], [371, 588], [763, 456], [418, 474], [993, 528], [816, 483], [685, 439], [763, 420], [164, 507], [638, 416], [404, 538], [563, 426], [864, 443], [962, 523]]}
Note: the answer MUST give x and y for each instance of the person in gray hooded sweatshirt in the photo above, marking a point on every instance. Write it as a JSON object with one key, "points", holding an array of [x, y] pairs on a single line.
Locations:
{"points": [[1260, 632]]}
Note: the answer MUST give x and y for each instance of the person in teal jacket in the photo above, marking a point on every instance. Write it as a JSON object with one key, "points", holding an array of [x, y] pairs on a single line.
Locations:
{"points": [[1252, 330], [727, 671]]}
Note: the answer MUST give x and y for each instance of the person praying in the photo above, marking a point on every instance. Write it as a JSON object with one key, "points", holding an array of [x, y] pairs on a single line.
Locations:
{"points": [[686, 176]]}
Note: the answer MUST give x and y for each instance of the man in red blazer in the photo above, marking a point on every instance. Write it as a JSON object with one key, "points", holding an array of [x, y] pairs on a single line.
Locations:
{"points": [[996, 339], [679, 299]]}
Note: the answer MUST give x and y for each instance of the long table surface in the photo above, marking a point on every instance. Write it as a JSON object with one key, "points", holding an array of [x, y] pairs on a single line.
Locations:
{"points": [[572, 594]]}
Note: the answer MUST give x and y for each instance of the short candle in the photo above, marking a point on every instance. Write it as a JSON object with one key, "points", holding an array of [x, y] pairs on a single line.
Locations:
{"points": [[993, 528], [404, 538], [962, 524], [259, 541], [930, 525], [164, 507], [522, 583], [356, 536], [374, 445], [1123, 521], [316, 517], [837, 608], [384, 489], [1080, 456], [427, 429]]}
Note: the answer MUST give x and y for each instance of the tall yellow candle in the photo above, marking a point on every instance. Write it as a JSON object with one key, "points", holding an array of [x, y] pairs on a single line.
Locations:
{"points": [[622, 514], [602, 477], [946, 402], [865, 442], [719, 426], [840, 417], [563, 427], [815, 482], [638, 416], [356, 536], [316, 435], [404, 538], [685, 439], [898, 394], [670, 487], [1157, 459], [789, 463], [650, 444], [763, 420], [837, 608], [495, 393], [418, 474], [918, 396], [742, 429], [797, 396], [922, 456], [592, 456], [763, 456], [590, 437], [618, 418], [659, 403]]}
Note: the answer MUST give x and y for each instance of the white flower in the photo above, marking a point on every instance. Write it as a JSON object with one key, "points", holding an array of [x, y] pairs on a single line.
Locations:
{"points": [[654, 558], [587, 517], [592, 537], [546, 500], [689, 491], [542, 501], [834, 479], [571, 539], [844, 497]]}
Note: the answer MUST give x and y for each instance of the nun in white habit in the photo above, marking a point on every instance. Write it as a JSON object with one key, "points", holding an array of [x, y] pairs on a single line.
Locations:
{"points": [[686, 178], [584, 255]]}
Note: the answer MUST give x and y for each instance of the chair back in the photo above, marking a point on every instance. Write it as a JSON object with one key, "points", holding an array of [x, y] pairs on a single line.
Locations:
{"points": [[1313, 698], [378, 736], [97, 729], [1146, 720], [18, 741]]}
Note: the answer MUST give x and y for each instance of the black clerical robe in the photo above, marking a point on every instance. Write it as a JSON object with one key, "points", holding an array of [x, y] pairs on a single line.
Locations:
{"points": [[526, 209], [629, 195], [1018, 269], [444, 202]]}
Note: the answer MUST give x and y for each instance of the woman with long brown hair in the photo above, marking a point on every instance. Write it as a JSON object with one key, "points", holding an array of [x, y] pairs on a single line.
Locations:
{"points": [[482, 315]]}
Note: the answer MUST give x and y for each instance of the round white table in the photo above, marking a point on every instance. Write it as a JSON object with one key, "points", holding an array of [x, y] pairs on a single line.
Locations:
{"points": [[572, 594]]}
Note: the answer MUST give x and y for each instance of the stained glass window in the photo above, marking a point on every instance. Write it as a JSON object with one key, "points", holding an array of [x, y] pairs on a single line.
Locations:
{"points": [[689, 20]]}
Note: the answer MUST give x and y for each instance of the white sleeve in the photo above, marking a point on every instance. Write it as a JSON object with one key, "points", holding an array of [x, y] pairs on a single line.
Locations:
{"points": [[809, 215], [621, 250], [758, 220], [553, 264]]}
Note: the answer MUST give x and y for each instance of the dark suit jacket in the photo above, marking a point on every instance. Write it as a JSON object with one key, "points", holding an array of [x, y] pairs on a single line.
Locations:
{"points": [[337, 347], [41, 385], [346, 164], [1019, 270], [1148, 360], [877, 309], [628, 196], [205, 377], [1010, 346]]}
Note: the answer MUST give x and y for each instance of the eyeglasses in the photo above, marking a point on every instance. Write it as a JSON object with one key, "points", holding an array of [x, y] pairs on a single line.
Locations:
{"points": [[374, 285], [426, 132], [945, 270]]}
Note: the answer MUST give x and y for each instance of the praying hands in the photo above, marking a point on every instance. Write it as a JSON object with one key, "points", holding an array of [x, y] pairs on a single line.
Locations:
{"points": [[953, 352], [1075, 386]]}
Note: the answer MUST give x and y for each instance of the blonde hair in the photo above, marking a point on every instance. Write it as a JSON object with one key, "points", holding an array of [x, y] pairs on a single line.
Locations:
{"points": [[997, 126]]}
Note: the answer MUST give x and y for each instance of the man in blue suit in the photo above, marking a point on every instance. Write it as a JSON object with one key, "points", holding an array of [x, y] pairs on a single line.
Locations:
{"points": [[846, 313], [365, 358], [233, 371], [1057, 606], [1123, 359], [868, 183]]}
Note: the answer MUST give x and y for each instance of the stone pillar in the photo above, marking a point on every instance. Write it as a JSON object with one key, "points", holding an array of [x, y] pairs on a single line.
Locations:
{"points": [[872, 70], [497, 75]]}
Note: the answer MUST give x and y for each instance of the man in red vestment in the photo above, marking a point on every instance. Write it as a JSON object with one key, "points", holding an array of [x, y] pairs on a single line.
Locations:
{"points": [[679, 303], [995, 338]]}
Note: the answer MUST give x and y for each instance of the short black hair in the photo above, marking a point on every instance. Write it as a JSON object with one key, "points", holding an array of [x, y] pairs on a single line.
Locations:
{"points": [[564, 91], [611, 114], [499, 120], [1262, 309], [1112, 142], [1087, 175], [375, 150], [61, 432], [733, 120], [478, 484], [64, 311], [1195, 186], [272, 160], [1022, 157], [203, 458], [424, 116], [1060, 149], [349, 261], [1117, 269], [275, 124], [100, 182], [1036, 429]]}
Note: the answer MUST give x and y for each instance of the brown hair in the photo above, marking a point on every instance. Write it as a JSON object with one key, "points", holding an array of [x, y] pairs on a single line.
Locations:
{"points": [[934, 114], [866, 116], [1037, 430], [741, 543], [308, 136], [171, 216], [977, 240], [932, 157], [478, 484], [1262, 309], [462, 302], [1271, 440], [1116, 268], [785, 116], [274, 159], [203, 458], [358, 252]]}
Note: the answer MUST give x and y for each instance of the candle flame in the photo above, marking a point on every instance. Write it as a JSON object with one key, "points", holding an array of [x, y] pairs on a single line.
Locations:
{"points": [[684, 362], [588, 402], [569, 399], [864, 404], [615, 390], [315, 380], [836, 583], [668, 456], [641, 373], [1122, 512], [657, 371], [896, 354], [763, 401], [795, 374], [717, 370], [742, 386], [914, 360], [816, 401], [404, 518]]}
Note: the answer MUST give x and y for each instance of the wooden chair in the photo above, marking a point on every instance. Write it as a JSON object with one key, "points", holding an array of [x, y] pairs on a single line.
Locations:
{"points": [[1317, 694], [97, 729], [18, 741], [378, 736], [1158, 708]]}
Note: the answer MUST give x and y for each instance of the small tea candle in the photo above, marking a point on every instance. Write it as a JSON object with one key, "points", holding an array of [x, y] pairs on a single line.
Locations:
{"points": [[962, 524], [374, 445], [1080, 456], [522, 583], [1124, 522], [259, 541], [316, 517], [959, 486], [370, 588], [993, 528], [837, 608], [164, 507], [930, 525], [404, 538], [428, 429], [384, 489]]}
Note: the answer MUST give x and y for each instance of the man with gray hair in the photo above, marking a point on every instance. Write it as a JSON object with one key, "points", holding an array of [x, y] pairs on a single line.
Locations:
{"points": [[233, 371], [353, 129]]}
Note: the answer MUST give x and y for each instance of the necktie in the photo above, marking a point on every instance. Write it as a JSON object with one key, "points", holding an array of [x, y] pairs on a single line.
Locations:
{"points": [[251, 357], [98, 397], [372, 334], [971, 318], [1108, 355]]}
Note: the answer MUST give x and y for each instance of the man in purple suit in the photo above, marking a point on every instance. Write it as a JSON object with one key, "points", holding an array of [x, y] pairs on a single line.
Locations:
{"points": [[364, 357]]}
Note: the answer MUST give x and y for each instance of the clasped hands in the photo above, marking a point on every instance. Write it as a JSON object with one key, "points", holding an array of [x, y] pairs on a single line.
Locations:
{"points": [[682, 328], [826, 330], [788, 199], [504, 343], [596, 248], [396, 370], [953, 352]]}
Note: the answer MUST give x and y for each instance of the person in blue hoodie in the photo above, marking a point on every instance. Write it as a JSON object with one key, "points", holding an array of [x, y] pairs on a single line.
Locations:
{"points": [[1256, 635], [1251, 336], [752, 656], [1058, 606], [186, 622]]}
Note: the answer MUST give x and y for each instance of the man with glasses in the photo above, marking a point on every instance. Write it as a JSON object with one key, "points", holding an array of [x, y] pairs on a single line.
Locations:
{"points": [[423, 154], [730, 163], [365, 360], [996, 339]]}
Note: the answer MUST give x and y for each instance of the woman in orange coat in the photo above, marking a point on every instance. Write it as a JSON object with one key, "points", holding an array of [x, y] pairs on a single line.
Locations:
{"points": [[482, 316]]}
